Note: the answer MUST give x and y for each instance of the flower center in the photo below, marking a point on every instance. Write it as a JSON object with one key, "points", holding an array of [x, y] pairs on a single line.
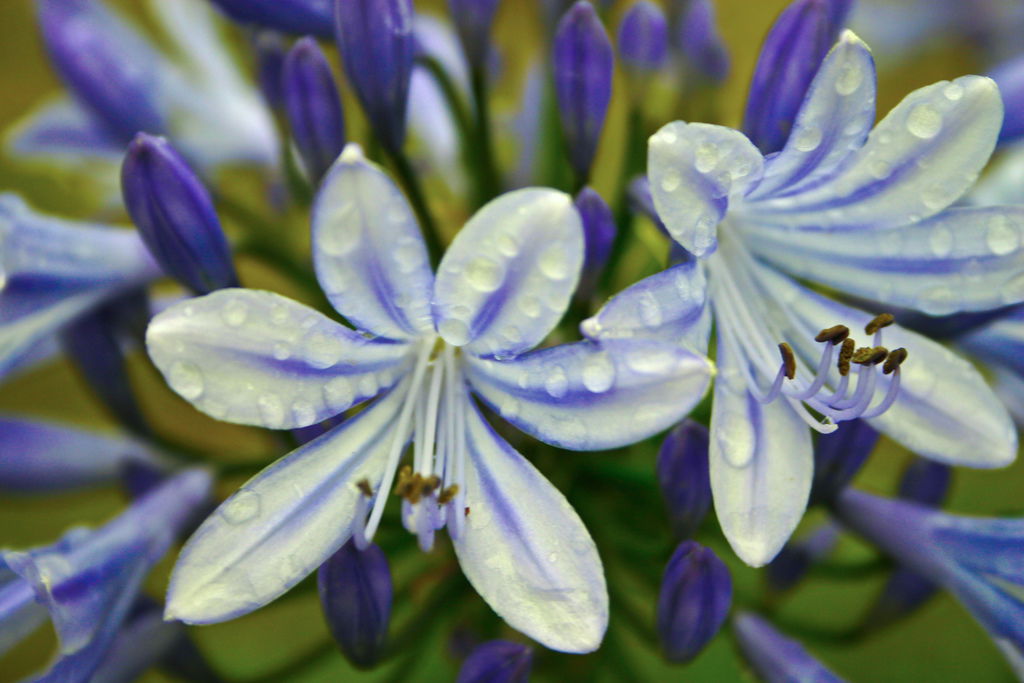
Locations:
{"points": [[432, 487]]}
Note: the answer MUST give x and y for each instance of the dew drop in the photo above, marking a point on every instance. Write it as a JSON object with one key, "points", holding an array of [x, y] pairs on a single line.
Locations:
{"points": [[279, 314], [938, 300], [554, 262], [650, 310], [507, 245], [241, 507], [735, 436], [509, 407], [368, 385], [303, 412], [671, 180], [186, 379], [322, 351], [454, 331], [1001, 237], [529, 305], [556, 384], [485, 275], [880, 169], [282, 351], [706, 157], [924, 121], [234, 313], [850, 78], [340, 233], [941, 241], [598, 373], [1013, 290], [271, 410], [408, 255], [807, 139], [651, 361], [953, 92], [667, 136]]}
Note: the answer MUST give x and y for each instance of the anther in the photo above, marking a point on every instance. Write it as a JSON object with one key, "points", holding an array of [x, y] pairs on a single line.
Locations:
{"points": [[448, 494], [431, 484], [867, 355], [405, 480], [788, 360], [364, 486], [835, 334], [878, 322], [894, 360], [845, 355]]}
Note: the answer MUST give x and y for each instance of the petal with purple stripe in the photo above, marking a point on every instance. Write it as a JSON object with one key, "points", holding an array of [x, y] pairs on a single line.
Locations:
{"points": [[257, 358]]}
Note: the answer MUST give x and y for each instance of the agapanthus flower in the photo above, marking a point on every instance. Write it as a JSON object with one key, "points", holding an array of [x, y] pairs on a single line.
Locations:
{"points": [[121, 83], [88, 581], [864, 214], [423, 344], [53, 271]]}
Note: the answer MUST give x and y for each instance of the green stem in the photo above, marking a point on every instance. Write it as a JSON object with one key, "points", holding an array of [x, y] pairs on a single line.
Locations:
{"points": [[411, 184], [487, 168]]}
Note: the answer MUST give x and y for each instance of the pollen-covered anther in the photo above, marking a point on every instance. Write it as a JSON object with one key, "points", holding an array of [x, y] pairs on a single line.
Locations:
{"points": [[878, 322], [894, 360], [788, 360], [364, 486], [835, 334], [448, 495], [404, 482], [870, 355], [845, 356]]}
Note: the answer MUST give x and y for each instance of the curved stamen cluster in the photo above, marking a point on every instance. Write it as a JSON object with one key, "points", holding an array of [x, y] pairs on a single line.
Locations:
{"points": [[432, 486], [842, 403]]}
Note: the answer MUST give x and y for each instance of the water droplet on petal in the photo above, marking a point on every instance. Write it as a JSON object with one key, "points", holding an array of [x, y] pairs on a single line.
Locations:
{"points": [[529, 305], [650, 310], [241, 507], [485, 275], [941, 241], [671, 180], [706, 157], [234, 313], [554, 262], [454, 331], [303, 412], [1002, 237], [651, 361], [186, 379], [322, 351], [735, 436], [556, 383], [924, 121], [271, 410], [598, 373], [507, 245], [340, 232], [953, 92], [849, 79], [807, 139]]}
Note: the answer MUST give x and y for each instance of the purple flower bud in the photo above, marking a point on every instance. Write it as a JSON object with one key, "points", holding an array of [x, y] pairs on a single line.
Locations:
{"points": [[583, 65], [497, 661], [925, 482], [86, 44], [775, 658], [314, 107], [598, 236], [175, 215], [377, 48], [683, 476], [355, 593], [700, 42], [290, 16], [839, 456], [271, 51], [643, 37], [1009, 76], [473, 19], [791, 565], [790, 57], [696, 592]]}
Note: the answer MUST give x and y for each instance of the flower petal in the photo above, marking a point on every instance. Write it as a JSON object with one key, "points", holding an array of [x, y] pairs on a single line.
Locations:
{"points": [[368, 250], [508, 276], [43, 456], [669, 306], [61, 129], [761, 466], [284, 522], [525, 550], [257, 358], [835, 118], [963, 259], [917, 161], [591, 396], [694, 169], [945, 411]]}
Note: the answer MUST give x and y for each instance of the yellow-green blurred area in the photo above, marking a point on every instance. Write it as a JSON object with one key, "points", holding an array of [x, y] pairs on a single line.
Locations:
{"points": [[939, 643]]}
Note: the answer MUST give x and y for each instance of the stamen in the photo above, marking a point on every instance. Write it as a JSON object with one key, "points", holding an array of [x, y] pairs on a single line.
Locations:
{"points": [[845, 355], [835, 334], [895, 360], [448, 494], [364, 486], [878, 322], [788, 360], [870, 355]]}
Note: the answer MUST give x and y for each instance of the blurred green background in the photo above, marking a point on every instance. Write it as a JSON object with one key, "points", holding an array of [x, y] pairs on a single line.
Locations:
{"points": [[287, 641]]}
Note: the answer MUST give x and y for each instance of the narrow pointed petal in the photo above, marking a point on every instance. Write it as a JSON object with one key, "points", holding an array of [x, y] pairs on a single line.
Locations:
{"points": [[917, 161], [591, 396], [761, 466], [497, 661], [47, 457], [945, 411], [694, 170], [257, 358], [368, 250], [508, 276], [701, 43], [284, 522], [963, 259], [63, 131], [643, 38], [833, 121], [534, 564], [776, 658], [289, 16], [52, 271], [669, 306], [313, 106]]}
